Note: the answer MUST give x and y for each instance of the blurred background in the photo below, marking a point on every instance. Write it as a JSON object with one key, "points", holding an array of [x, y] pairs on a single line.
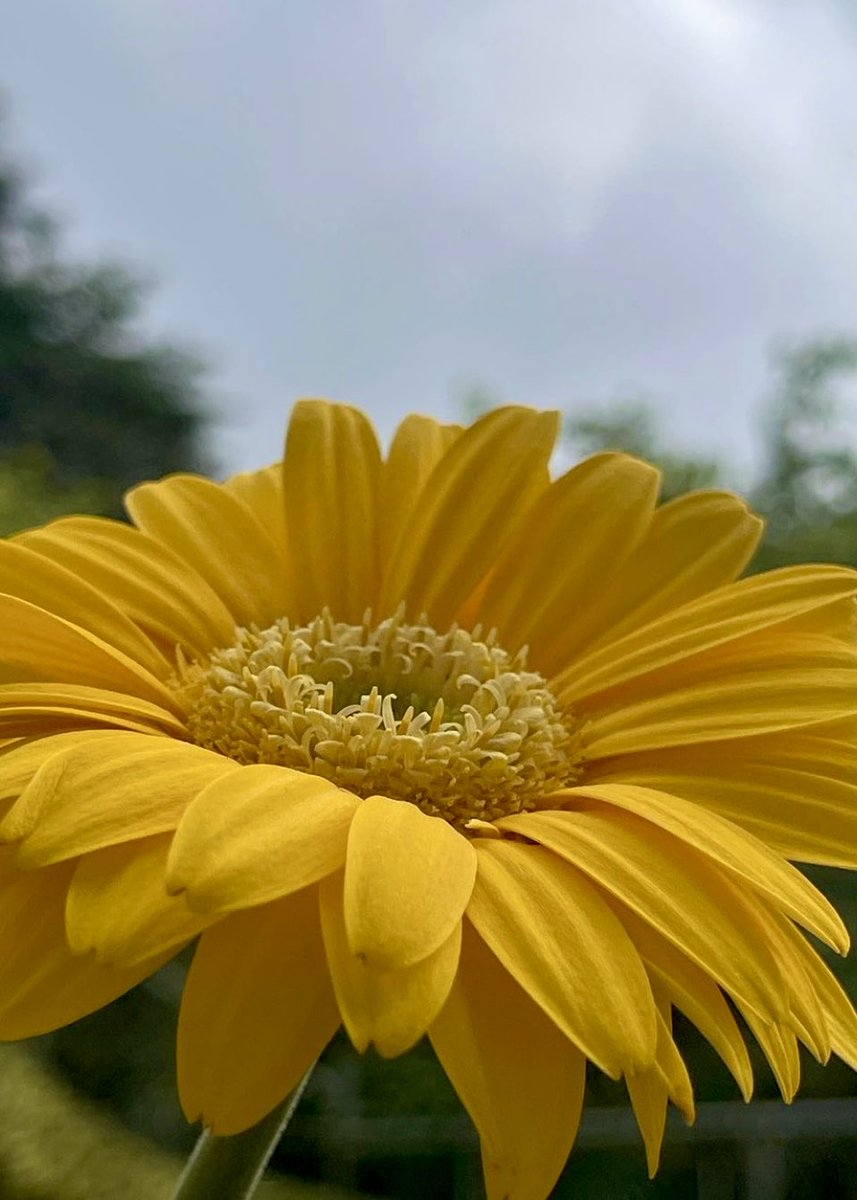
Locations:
{"points": [[642, 214]]}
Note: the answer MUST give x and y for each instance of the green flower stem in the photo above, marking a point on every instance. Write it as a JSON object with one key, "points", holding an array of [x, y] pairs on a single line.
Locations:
{"points": [[230, 1168]]}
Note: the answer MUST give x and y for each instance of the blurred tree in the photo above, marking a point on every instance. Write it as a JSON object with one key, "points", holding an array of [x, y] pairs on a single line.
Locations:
{"points": [[808, 491], [30, 493], [75, 380], [634, 429], [629, 426]]}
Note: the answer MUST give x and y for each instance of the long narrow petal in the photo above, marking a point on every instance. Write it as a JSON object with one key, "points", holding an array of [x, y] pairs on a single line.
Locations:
{"points": [[650, 1090], [262, 492], [559, 939], [45, 986], [256, 835], [543, 596], [745, 856], [795, 796], [47, 584], [156, 588], [838, 1008], [520, 1079], [257, 1011], [102, 793], [458, 528], [118, 906], [408, 878], [694, 544], [733, 612], [693, 992], [761, 701], [390, 1009], [215, 532], [332, 473], [673, 887], [36, 645], [417, 447], [47, 708], [780, 1048], [807, 1017], [789, 648]]}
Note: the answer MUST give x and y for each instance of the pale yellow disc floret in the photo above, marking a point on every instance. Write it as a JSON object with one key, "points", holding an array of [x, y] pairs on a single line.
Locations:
{"points": [[447, 721]]}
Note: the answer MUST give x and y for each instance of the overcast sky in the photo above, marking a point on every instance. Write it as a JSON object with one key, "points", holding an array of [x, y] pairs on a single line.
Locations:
{"points": [[386, 200]]}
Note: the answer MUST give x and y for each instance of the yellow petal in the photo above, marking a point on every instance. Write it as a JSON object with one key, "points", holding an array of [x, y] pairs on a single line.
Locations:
{"points": [[36, 645], [647, 1091], [121, 787], [759, 701], [159, 591], [673, 887], [745, 856], [19, 760], [694, 544], [408, 878], [256, 835], [579, 530], [331, 474], [417, 447], [689, 989], [262, 492], [670, 1062], [520, 1079], [558, 938], [747, 607], [838, 1009], [33, 577], [44, 985], [650, 1090], [221, 539], [118, 905], [806, 1013], [796, 795], [257, 1011], [779, 1045], [461, 517], [390, 1009], [50, 708]]}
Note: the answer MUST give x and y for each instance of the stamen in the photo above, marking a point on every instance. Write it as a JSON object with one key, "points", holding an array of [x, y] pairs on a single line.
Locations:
{"points": [[447, 721]]}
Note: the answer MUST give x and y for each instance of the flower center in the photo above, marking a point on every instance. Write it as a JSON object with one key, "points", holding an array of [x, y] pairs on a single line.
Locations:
{"points": [[447, 721]]}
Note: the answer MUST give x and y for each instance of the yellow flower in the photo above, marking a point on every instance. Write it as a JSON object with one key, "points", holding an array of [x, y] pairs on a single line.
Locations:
{"points": [[429, 744]]}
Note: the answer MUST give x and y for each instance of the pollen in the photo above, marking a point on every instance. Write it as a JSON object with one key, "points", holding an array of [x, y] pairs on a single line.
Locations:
{"points": [[448, 721]]}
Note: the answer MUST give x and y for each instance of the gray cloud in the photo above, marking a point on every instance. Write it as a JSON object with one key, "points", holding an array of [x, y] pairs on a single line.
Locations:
{"points": [[381, 200]]}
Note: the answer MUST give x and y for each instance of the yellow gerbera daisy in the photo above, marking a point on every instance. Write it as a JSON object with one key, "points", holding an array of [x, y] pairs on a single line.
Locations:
{"points": [[429, 744]]}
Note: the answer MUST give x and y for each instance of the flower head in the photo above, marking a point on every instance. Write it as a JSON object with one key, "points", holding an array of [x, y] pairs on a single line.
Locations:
{"points": [[429, 744]]}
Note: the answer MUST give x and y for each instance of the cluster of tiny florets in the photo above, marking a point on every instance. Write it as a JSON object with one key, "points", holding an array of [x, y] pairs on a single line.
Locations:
{"points": [[447, 721]]}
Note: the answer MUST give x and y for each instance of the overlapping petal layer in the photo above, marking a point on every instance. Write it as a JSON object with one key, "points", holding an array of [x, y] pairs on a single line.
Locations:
{"points": [[284, 830], [503, 1076], [45, 985], [388, 1009], [161, 592], [408, 879], [258, 1010]]}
